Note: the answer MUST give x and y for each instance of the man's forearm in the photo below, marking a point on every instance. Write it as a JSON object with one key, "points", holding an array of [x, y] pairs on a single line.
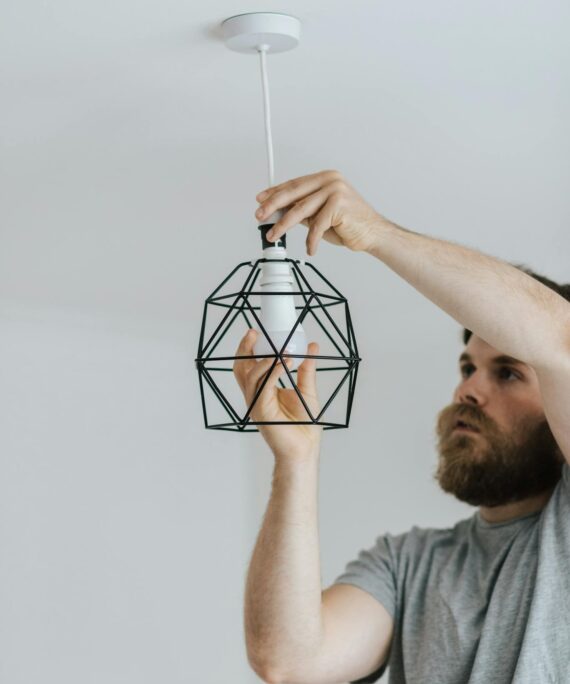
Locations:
{"points": [[283, 591], [507, 308]]}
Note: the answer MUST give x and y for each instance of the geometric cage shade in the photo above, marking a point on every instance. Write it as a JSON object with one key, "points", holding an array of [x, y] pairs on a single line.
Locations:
{"points": [[235, 306]]}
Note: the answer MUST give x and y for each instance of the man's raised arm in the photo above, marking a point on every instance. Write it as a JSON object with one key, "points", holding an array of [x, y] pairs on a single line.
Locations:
{"points": [[293, 633], [499, 303]]}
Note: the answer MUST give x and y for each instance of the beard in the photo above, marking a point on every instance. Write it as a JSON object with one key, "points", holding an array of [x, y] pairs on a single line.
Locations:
{"points": [[493, 467]]}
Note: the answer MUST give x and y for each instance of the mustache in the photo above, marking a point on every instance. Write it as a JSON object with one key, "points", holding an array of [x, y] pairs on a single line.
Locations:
{"points": [[465, 412]]}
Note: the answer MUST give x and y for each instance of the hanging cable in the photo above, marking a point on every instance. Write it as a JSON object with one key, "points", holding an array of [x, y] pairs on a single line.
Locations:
{"points": [[262, 49]]}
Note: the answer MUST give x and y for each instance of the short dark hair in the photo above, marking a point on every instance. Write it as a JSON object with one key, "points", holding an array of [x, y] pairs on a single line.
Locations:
{"points": [[562, 290]]}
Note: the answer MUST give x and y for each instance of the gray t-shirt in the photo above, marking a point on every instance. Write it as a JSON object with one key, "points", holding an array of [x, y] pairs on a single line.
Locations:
{"points": [[476, 603]]}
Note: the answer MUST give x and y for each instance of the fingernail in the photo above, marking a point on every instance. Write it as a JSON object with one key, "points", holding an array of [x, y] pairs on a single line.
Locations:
{"points": [[259, 212], [270, 235], [261, 195]]}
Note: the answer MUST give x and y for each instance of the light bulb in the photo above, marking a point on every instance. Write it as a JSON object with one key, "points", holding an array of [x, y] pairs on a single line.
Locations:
{"points": [[296, 345], [278, 314]]}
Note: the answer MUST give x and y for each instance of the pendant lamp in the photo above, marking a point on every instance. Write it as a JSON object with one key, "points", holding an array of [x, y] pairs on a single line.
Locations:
{"points": [[288, 301]]}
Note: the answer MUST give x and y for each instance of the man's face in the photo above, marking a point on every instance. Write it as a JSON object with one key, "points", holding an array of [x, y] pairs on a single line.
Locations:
{"points": [[509, 452]]}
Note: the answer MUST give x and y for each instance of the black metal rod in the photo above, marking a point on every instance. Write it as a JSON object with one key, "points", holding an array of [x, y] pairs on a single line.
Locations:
{"points": [[221, 336], [219, 326], [297, 306], [262, 328], [202, 329], [350, 390], [317, 318], [203, 399], [246, 318], [277, 422], [231, 370], [270, 356], [351, 395], [222, 399], [290, 376], [228, 326], [237, 429], [294, 370], [297, 322], [326, 281], [326, 312], [226, 316], [333, 395], [225, 280], [225, 403], [259, 391], [280, 293], [232, 429], [351, 327]]}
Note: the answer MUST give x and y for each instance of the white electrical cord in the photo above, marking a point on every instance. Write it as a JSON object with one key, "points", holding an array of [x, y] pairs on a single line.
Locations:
{"points": [[262, 49]]}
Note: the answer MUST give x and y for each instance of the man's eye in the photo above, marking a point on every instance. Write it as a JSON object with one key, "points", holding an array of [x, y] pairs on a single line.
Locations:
{"points": [[504, 370]]}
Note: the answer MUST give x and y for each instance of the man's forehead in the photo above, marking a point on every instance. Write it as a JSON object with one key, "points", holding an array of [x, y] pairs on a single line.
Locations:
{"points": [[479, 350]]}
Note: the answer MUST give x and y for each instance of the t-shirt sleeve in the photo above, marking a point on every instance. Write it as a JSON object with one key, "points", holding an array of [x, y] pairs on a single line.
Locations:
{"points": [[559, 503], [557, 510], [374, 571]]}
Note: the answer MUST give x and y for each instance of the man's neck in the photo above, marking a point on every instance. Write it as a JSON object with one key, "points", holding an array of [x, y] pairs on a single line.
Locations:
{"points": [[497, 514]]}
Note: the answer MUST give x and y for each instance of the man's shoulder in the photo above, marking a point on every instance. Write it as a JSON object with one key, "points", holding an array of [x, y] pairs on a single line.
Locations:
{"points": [[557, 509], [418, 539]]}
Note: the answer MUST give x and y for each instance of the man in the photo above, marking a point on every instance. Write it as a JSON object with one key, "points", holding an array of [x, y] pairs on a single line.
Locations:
{"points": [[487, 601]]}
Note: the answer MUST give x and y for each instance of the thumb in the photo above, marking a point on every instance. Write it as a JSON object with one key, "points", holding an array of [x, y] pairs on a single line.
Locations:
{"points": [[307, 372], [330, 235]]}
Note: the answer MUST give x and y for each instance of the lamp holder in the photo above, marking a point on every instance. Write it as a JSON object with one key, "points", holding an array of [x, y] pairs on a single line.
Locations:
{"points": [[249, 32]]}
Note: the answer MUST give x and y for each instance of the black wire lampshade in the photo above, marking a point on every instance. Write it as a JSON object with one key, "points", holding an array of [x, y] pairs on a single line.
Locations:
{"points": [[236, 305]]}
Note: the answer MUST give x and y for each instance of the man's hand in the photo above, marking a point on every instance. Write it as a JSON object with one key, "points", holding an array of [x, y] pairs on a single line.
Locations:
{"points": [[327, 205], [280, 404]]}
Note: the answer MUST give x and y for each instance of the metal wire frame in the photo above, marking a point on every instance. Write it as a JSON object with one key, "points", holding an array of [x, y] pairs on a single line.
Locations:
{"points": [[238, 304]]}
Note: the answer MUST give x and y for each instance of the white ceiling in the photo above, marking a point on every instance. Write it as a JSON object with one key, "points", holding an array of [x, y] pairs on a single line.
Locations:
{"points": [[132, 139]]}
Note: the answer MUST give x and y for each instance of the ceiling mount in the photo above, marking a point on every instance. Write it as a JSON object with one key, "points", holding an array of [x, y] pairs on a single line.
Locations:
{"points": [[248, 32]]}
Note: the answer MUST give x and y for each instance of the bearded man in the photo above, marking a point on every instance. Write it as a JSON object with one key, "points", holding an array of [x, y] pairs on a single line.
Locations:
{"points": [[485, 601]]}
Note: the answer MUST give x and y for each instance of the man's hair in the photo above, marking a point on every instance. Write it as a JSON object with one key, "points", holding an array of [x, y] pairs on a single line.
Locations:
{"points": [[562, 290]]}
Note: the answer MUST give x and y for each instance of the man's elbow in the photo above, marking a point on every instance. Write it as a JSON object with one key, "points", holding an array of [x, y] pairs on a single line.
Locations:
{"points": [[266, 672], [271, 673]]}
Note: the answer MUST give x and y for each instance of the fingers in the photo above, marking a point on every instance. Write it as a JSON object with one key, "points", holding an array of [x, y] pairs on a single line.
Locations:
{"points": [[251, 373], [321, 224], [297, 187], [307, 372], [306, 211], [290, 193], [331, 236], [242, 367], [258, 373], [300, 211]]}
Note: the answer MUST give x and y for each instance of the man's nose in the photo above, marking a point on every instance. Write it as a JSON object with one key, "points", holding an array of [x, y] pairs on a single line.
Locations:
{"points": [[472, 390]]}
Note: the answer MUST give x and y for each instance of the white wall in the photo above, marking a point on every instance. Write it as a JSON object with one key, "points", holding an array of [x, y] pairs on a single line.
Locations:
{"points": [[123, 524]]}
